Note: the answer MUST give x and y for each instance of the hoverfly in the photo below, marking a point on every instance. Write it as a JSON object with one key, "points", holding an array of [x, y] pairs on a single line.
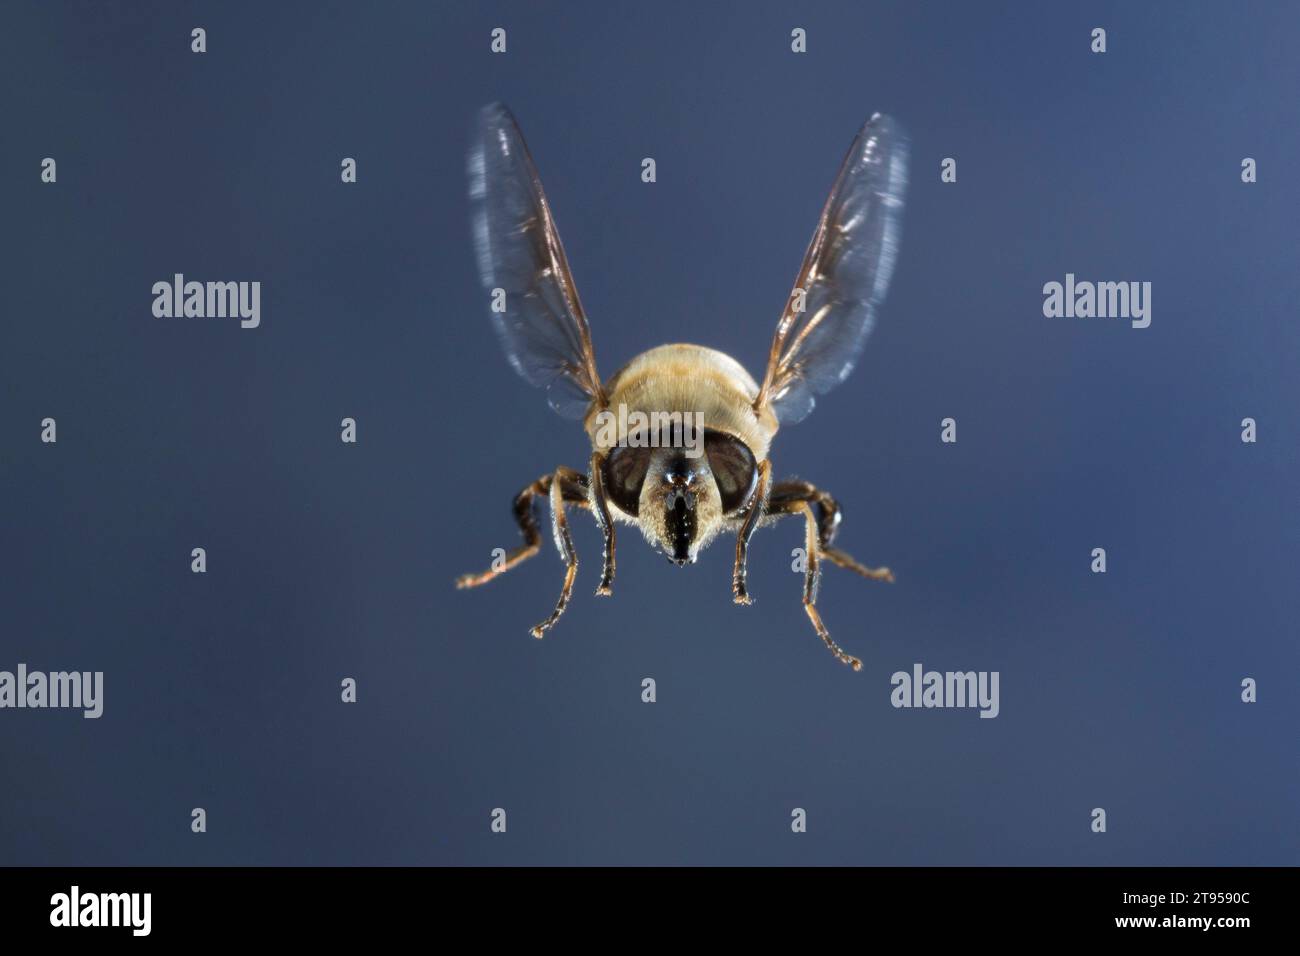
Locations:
{"points": [[681, 503]]}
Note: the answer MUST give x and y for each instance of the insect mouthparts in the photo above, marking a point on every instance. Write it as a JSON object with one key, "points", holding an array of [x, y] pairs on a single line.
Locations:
{"points": [[680, 561]]}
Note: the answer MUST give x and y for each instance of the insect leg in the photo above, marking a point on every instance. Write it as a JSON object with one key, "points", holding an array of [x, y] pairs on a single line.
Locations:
{"points": [[810, 582], [843, 560], [563, 541], [523, 509], [828, 523], [600, 508], [739, 591]]}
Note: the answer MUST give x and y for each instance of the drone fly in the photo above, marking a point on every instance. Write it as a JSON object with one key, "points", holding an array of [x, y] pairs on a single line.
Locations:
{"points": [[684, 491]]}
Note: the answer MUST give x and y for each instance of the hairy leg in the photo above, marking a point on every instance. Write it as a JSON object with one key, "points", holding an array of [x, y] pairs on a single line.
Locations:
{"points": [[600, 508], [563, 541], [574, 493], [810, 582], [821, 526], [739, 574], [829, 516]]}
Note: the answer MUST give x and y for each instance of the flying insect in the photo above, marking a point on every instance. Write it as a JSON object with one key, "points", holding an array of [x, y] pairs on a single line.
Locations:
{"points": [[682, 495]]}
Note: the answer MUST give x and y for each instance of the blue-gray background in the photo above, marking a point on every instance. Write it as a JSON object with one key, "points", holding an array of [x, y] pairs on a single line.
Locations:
{"points": [[329, 560]]}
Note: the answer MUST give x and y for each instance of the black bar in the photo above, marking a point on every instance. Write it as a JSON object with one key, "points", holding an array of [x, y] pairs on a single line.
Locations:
{"points": [[206, 905]]}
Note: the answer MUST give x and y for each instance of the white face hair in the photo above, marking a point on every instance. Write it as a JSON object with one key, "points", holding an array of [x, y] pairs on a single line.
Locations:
{"points": [[680, 507]]}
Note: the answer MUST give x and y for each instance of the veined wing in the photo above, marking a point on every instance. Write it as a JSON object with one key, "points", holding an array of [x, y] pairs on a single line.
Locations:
{"points": [[543, 329], [844, 275]]}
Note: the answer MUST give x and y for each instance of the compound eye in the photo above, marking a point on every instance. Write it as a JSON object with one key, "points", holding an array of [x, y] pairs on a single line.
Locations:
{"points": [[625, 471], [734, 469]]}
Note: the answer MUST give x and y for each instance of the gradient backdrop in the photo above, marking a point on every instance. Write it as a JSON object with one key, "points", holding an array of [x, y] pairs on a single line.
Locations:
{"points": [[328, 560]]}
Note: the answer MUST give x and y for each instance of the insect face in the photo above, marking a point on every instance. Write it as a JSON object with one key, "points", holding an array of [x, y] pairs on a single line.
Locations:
{"points": [[680, 509], [681, 497]]}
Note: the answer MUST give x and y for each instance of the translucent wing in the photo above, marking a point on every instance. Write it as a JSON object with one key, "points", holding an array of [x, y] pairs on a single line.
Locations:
{"points": [[844, 275], [542, 329]]}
